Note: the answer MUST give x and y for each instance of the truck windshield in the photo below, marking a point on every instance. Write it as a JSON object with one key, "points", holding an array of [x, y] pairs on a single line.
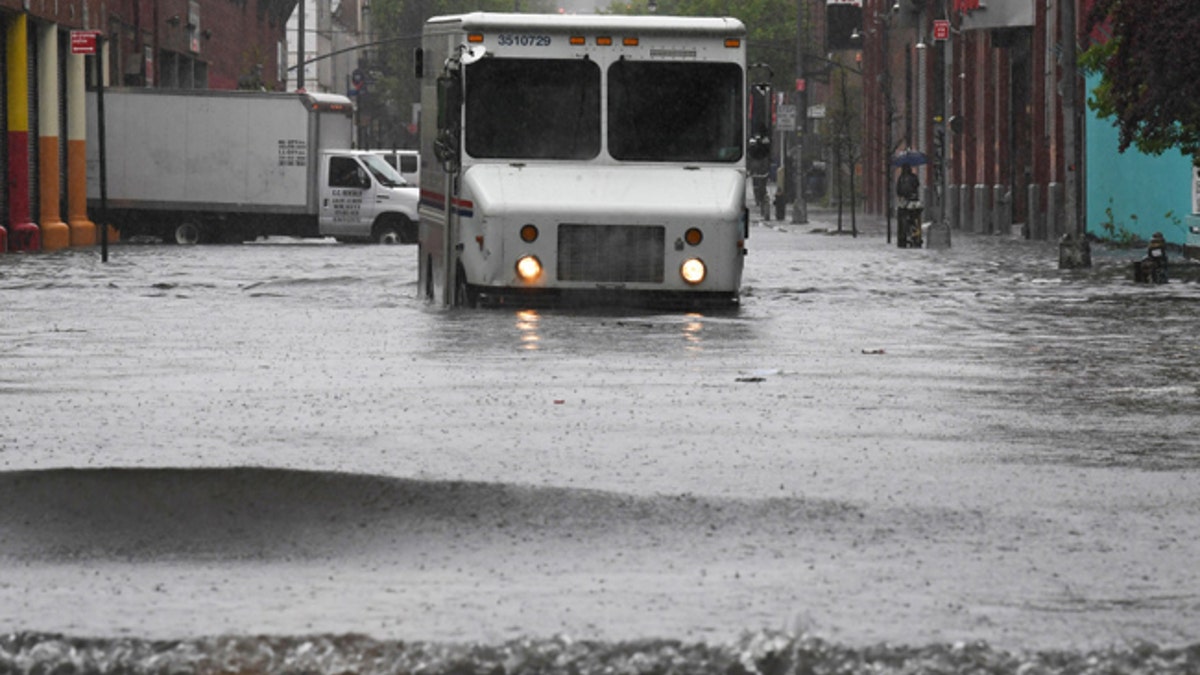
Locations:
{"points": [[383, 172], [533, 109], [671, 111]]}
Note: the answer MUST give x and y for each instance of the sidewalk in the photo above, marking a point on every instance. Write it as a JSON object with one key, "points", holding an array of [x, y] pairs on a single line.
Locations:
{"points": [[825, 219]]}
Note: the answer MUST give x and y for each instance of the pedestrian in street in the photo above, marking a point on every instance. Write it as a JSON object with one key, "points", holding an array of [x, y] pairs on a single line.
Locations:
{"points": [[1153, 268], [908, 186], [908, 212]]}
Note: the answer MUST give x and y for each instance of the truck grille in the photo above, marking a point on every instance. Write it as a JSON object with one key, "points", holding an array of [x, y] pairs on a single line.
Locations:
{"points": [[610, 253]]}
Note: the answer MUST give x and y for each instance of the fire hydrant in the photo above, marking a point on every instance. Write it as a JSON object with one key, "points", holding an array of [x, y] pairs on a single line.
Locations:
{"points": [[1153, 268]]}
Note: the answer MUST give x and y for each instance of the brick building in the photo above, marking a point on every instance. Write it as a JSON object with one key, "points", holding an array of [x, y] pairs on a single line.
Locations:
{"points": [[205, 44], [977, 86]]}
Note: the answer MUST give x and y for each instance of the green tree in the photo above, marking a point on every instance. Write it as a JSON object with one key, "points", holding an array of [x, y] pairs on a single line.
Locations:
{"points": [[1150, 76], [397, 25], [770, 25]]}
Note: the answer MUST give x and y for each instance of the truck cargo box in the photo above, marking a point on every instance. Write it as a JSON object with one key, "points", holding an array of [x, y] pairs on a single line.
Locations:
{"points": [[203, 150]]}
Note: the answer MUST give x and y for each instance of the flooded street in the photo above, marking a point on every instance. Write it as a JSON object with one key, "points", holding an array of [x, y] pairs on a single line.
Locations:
{"points": [[881, 444]]}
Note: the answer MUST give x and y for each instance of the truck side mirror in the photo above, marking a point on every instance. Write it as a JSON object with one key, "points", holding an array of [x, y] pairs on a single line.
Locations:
{"points": [[449, 123]]}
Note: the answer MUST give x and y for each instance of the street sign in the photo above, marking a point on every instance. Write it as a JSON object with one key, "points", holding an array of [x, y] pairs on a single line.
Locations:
{"points": [[84, 42], [785, 117], [941, 29]]}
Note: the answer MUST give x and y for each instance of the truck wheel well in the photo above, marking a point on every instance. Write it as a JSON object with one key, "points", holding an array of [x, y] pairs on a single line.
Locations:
{"points": [[401, 227]]}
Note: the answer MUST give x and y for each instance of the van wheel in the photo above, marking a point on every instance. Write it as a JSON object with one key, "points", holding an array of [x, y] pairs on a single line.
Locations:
{"points": [[387, 235], [187, 234], [395, 230]]}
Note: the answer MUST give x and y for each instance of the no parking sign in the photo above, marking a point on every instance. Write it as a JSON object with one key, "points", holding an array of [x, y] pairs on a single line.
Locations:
{"points": [[84, 42]]}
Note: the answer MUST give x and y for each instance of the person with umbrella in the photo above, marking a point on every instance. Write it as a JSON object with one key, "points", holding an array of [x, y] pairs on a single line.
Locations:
{"points": [[908, 186], [908, 190]]}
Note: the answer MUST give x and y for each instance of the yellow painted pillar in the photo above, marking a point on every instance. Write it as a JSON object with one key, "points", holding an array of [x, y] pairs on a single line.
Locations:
{"points": [[55, 233], [83, 231], [24, 234]]}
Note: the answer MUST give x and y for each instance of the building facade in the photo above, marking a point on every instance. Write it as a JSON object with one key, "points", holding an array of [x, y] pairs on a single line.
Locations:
{"points": [[976, 86], [205, 44]]}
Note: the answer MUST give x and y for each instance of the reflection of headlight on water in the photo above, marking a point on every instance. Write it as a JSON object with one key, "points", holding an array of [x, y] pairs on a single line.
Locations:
{"points": [[692, 329], [693, 271], [527, 325]]}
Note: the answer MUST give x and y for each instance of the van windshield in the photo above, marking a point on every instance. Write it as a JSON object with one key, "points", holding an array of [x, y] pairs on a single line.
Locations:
{"points": [[672, 111], [383, 172], [533, 109]]}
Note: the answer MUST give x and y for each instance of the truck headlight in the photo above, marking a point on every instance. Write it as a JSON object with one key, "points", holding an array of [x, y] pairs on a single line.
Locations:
{"points": [[693, 271], [529, 268]]}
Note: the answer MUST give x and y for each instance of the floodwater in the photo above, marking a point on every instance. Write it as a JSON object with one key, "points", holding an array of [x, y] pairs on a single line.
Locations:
{"points": [[881, 444]]}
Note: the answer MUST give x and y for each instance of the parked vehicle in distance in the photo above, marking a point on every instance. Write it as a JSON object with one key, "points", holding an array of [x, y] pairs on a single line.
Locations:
{"points": [[406, 162], [206, 166]]}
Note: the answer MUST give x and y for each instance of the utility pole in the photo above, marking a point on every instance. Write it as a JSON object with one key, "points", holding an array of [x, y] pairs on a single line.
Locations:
{"points": [[939, 231], [796, 171], [948, 84], [1073, 250], [301, 43]]}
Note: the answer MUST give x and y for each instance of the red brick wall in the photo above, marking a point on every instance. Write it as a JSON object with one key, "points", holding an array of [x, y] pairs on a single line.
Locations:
{"points": [[234, 36]]}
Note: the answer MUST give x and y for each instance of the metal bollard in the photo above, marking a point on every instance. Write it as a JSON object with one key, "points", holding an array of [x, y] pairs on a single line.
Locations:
{"points": [[951, 207], [1037, 221], [1001, 214], [1055, 210], [980, 209]]}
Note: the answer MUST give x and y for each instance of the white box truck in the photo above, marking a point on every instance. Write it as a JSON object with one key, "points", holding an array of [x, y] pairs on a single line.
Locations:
{"points": [[230, 166], [583, 159]]}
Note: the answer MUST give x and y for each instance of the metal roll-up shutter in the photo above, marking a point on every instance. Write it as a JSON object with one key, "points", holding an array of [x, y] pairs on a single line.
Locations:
{"points": [[64, 56], [4, 120], [31, 50]]}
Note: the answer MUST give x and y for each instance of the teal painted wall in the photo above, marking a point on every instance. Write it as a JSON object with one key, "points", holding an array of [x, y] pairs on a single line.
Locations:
{"points": [[1138, 185]]}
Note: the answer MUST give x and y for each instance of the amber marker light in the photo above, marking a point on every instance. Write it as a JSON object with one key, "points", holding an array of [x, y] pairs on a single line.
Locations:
{"points": [[578, 40], [693, 236], [733, 43], [529, 233], [604, 40], [630, 42], [529, 268], [475, 38], [693, 271]]}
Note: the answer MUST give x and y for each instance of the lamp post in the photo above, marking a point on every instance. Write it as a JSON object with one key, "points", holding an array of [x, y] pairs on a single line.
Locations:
{"points": [[796, 170], [301, 43], [877, 21], [1074, 251]]}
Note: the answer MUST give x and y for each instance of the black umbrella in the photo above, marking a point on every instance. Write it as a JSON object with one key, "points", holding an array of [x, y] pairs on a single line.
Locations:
{"points": [[909, 158]]}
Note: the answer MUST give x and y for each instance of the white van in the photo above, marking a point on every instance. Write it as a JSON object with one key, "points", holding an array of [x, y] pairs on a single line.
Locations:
{"points": [[407, 162]]}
